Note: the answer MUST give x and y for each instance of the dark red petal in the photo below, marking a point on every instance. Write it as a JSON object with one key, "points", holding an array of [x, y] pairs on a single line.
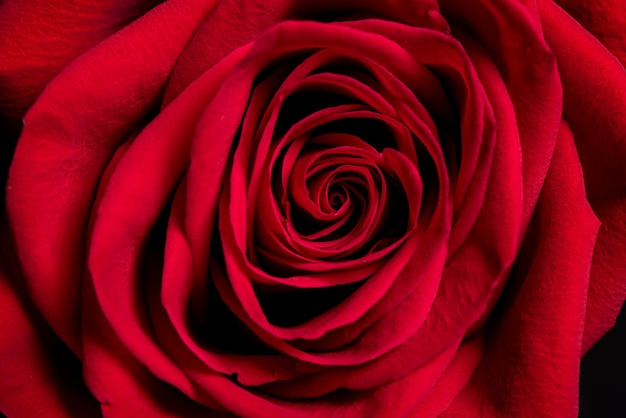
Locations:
{"points": [[529, 70], [217, 37], [70, 134], [133, 196], [453, 379], [605, 19], [40, 376], [594, 85], [122, 384], [533, 343], [39, 38]]}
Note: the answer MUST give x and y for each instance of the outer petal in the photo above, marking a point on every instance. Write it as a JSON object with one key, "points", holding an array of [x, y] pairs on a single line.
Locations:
{"points": [[606, 19], [594, 87], [39, 38], [532, 347], [124, 387], [40, 377], [453, 379], [70, 134], [512, 36], [216, 36]]}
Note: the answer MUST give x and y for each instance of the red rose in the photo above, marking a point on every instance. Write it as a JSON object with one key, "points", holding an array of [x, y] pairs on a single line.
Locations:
{"points": [[309, 208]]}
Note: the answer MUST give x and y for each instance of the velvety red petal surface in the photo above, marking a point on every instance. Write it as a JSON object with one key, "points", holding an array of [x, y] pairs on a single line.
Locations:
{"points": [[594, 85], [605, 19], [534, 340], [39, 38], [72, 136], [40, 376]]}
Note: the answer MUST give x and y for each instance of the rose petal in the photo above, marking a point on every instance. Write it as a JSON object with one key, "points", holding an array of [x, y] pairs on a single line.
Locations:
{"points": [[41, 377], [513, 37], [216, 36], [534, 340], [70, 134], [132, 199], [36, 47], [594, 84], [400, 396], [183, 336], [453, 379], [123, 385], [605, 19], [476, 133]]}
